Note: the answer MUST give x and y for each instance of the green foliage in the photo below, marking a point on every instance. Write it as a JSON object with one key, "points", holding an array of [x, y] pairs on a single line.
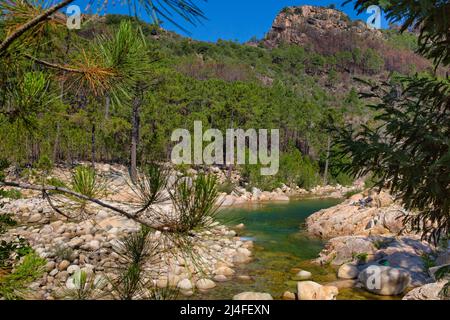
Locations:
{"points": [[408, 149], [295, 170], [86, 182], [129, 277], [350, 194], [11, 194], [442, 274], [195, 201], [86, 287], [12, 251], [13, 286], [361, 257], [6, 221], [226, 187], [4, 164], [63, 252], [44, 164], [428, 261]]}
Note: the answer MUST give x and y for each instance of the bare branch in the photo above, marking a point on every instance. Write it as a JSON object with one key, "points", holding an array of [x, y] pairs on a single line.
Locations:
{"points": [[52, 65], [132, 216]]}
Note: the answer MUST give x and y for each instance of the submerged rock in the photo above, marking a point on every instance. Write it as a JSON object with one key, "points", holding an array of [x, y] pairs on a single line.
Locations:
{"points": [[309, 290], [303, 275], [348, 271]]}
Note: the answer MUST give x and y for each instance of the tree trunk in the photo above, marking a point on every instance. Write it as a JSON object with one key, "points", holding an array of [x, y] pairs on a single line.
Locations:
{"points": [[135, 121], [325, 174], [93, 145], [107, 106], [56, 145]]}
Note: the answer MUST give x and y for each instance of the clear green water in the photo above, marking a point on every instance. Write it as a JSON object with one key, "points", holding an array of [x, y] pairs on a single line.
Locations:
{"points": [[281, 249]]}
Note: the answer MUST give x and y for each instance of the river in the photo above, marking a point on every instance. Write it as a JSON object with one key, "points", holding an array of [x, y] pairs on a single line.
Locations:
{"points": [[282, 248]]}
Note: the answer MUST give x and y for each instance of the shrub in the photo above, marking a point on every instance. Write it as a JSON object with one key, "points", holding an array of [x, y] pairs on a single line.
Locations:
{"points": [[6, 221], [63, 252], [13, 286], [12, 251], [11, 194], [227, 187]]}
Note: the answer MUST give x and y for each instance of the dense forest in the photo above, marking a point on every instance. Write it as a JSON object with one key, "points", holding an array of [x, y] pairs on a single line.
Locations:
{"points": [[225, 84], [350, 102]]}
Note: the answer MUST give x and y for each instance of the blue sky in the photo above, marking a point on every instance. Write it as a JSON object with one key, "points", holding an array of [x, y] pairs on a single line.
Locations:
{"points": [[237, 20]]}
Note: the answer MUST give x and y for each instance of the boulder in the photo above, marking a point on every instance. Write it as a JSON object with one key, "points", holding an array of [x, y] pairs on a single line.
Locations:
{"points": [[205, 284], [35, 218], [309, 290], [385, 281], [241, 258], [252, 296], [185, 285], [443, 258], [303, 275], [348, 271], [63, 265], [288, 296], [224, 271], [220, 278], [427, 292], [73, 269]]}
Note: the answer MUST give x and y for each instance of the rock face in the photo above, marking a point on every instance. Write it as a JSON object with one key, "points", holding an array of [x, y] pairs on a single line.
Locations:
{"points": [[252, 296], [300, 25], [427, 292], [385, 281], [379, 217], [309, 290]]}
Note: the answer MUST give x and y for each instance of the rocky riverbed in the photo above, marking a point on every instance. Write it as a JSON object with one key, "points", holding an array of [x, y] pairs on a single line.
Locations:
{"points": [[368, 237], [87, 245]]}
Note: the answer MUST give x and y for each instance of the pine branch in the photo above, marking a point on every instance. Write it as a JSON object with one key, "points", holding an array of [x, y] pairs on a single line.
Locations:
{"points": [[46, 189], [30, 24], [53, 65]]}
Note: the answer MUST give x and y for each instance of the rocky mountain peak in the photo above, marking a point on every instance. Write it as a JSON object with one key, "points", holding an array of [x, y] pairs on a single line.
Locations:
{"points": [[297, 24]]}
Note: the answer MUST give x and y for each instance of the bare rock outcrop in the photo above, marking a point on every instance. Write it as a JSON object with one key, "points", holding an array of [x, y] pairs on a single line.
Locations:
{"points": [[380, 216], [300, 25]]}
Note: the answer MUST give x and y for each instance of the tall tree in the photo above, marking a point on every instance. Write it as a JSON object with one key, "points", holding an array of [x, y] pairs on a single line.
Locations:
{"points": [[409, 149]]}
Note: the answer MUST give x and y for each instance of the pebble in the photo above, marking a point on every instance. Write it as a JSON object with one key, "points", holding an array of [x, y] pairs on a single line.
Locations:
{"points": [[63, 265]]}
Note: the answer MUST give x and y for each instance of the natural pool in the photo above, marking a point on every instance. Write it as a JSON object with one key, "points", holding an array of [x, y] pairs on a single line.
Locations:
{"points": [[281, 249]]}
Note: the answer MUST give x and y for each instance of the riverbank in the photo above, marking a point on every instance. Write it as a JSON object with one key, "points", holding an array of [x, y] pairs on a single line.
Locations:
{"points": [[367, 231]]}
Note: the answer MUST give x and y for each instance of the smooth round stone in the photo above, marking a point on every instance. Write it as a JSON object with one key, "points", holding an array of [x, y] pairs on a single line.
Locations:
{"points": [[225, 271], [288, 296], [303, 275], [72, 269], [220, 278], [205, 284], [252, 296], [63, 265], [348, 271], [185, 285]]}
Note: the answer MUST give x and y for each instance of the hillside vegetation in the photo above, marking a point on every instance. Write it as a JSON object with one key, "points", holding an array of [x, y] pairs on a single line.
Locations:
{"points": [[287, 86]]}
